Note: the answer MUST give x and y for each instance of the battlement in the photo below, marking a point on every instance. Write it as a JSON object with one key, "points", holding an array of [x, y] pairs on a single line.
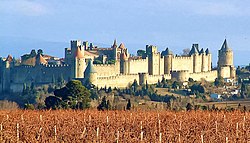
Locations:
{"points": [[56, 66], [206, 72], [118, 76], [44, 65], [104, 65], [138, 60], [182, 57], [179, 71]]}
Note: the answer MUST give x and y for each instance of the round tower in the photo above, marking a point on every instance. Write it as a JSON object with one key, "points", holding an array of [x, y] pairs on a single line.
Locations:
{"points": [[167, 54], [195, 55], [80, 63], [90, 73], [124, 64], [180, 75], [225, 55], [77, 59]]}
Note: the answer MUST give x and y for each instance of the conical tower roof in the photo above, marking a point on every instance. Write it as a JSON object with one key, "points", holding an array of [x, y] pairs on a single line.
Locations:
{"points": [[202, 51], [90, 68], [122, 46], [114, 44], [79, 53], [207, 51], [193, 50], [166, 52], [225, 46]]}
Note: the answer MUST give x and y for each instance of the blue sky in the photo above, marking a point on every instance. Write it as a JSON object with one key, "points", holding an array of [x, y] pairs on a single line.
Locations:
{"points": [[176, 24]]}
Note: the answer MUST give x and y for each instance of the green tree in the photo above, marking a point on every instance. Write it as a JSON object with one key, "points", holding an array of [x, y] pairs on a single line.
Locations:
{"points": [[197, 88], [141, 52], [52, 102], [74, 95]]}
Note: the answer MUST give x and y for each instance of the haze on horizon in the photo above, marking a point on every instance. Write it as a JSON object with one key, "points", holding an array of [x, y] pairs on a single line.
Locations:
{"points": [[176, 24]]}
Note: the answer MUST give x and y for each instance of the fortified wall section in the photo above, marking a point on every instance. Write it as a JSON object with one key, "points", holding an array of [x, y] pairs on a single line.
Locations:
{"points": [[208, 76], [182, 63], [138, 66], [121, 81], [107, 69], [41, 74], [152, 79]]}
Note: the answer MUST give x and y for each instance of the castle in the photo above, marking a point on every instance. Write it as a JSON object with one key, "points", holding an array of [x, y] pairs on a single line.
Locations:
{"points": [[113, 67]]}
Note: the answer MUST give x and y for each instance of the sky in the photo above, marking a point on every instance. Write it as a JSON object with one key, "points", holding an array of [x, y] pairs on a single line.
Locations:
{"points": [[176, 24]]}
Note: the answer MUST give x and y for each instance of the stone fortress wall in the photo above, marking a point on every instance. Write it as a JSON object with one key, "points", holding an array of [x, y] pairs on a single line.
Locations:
{"points": [[138, 66], [107, 69], [148, 68], [42, 74]]}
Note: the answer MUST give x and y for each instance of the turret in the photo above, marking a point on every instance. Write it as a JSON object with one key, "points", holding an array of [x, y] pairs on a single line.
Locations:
{"points": [[204, 62], [114, 44], [80, 63], [124, 68], [90, 73], [195, 53], [225, 55], [153, 60], [168, 55], [225, 61], [209, 58], [77, 59]]}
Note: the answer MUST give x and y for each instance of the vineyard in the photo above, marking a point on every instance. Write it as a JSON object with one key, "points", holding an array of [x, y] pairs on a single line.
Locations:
{"points": [[124, 126]]}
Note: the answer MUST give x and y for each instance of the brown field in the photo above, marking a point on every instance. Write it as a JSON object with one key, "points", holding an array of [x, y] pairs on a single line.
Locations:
{"points": [[124, 126]]}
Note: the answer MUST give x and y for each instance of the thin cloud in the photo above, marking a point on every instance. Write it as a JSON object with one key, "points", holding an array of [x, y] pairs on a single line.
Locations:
{"points": [[23, 7]]}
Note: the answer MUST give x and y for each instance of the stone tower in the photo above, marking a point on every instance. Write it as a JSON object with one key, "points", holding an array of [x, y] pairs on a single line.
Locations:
{"points": [[209, 58], [90, 73], [195, 54], [77, 59], [225, 55], [225, 61], [168, 55], [124, 68], [115, 50], [153, 60]]}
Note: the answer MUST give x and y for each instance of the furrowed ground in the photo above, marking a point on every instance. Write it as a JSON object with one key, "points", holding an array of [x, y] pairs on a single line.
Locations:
{"points": [[124, 126]]}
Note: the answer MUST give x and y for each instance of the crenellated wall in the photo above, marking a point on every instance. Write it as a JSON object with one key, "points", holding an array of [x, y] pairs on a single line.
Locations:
{"points": [[138, 66], [208, 76], [41, 74], [182, 63], [107, 69], [121, 81]]}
